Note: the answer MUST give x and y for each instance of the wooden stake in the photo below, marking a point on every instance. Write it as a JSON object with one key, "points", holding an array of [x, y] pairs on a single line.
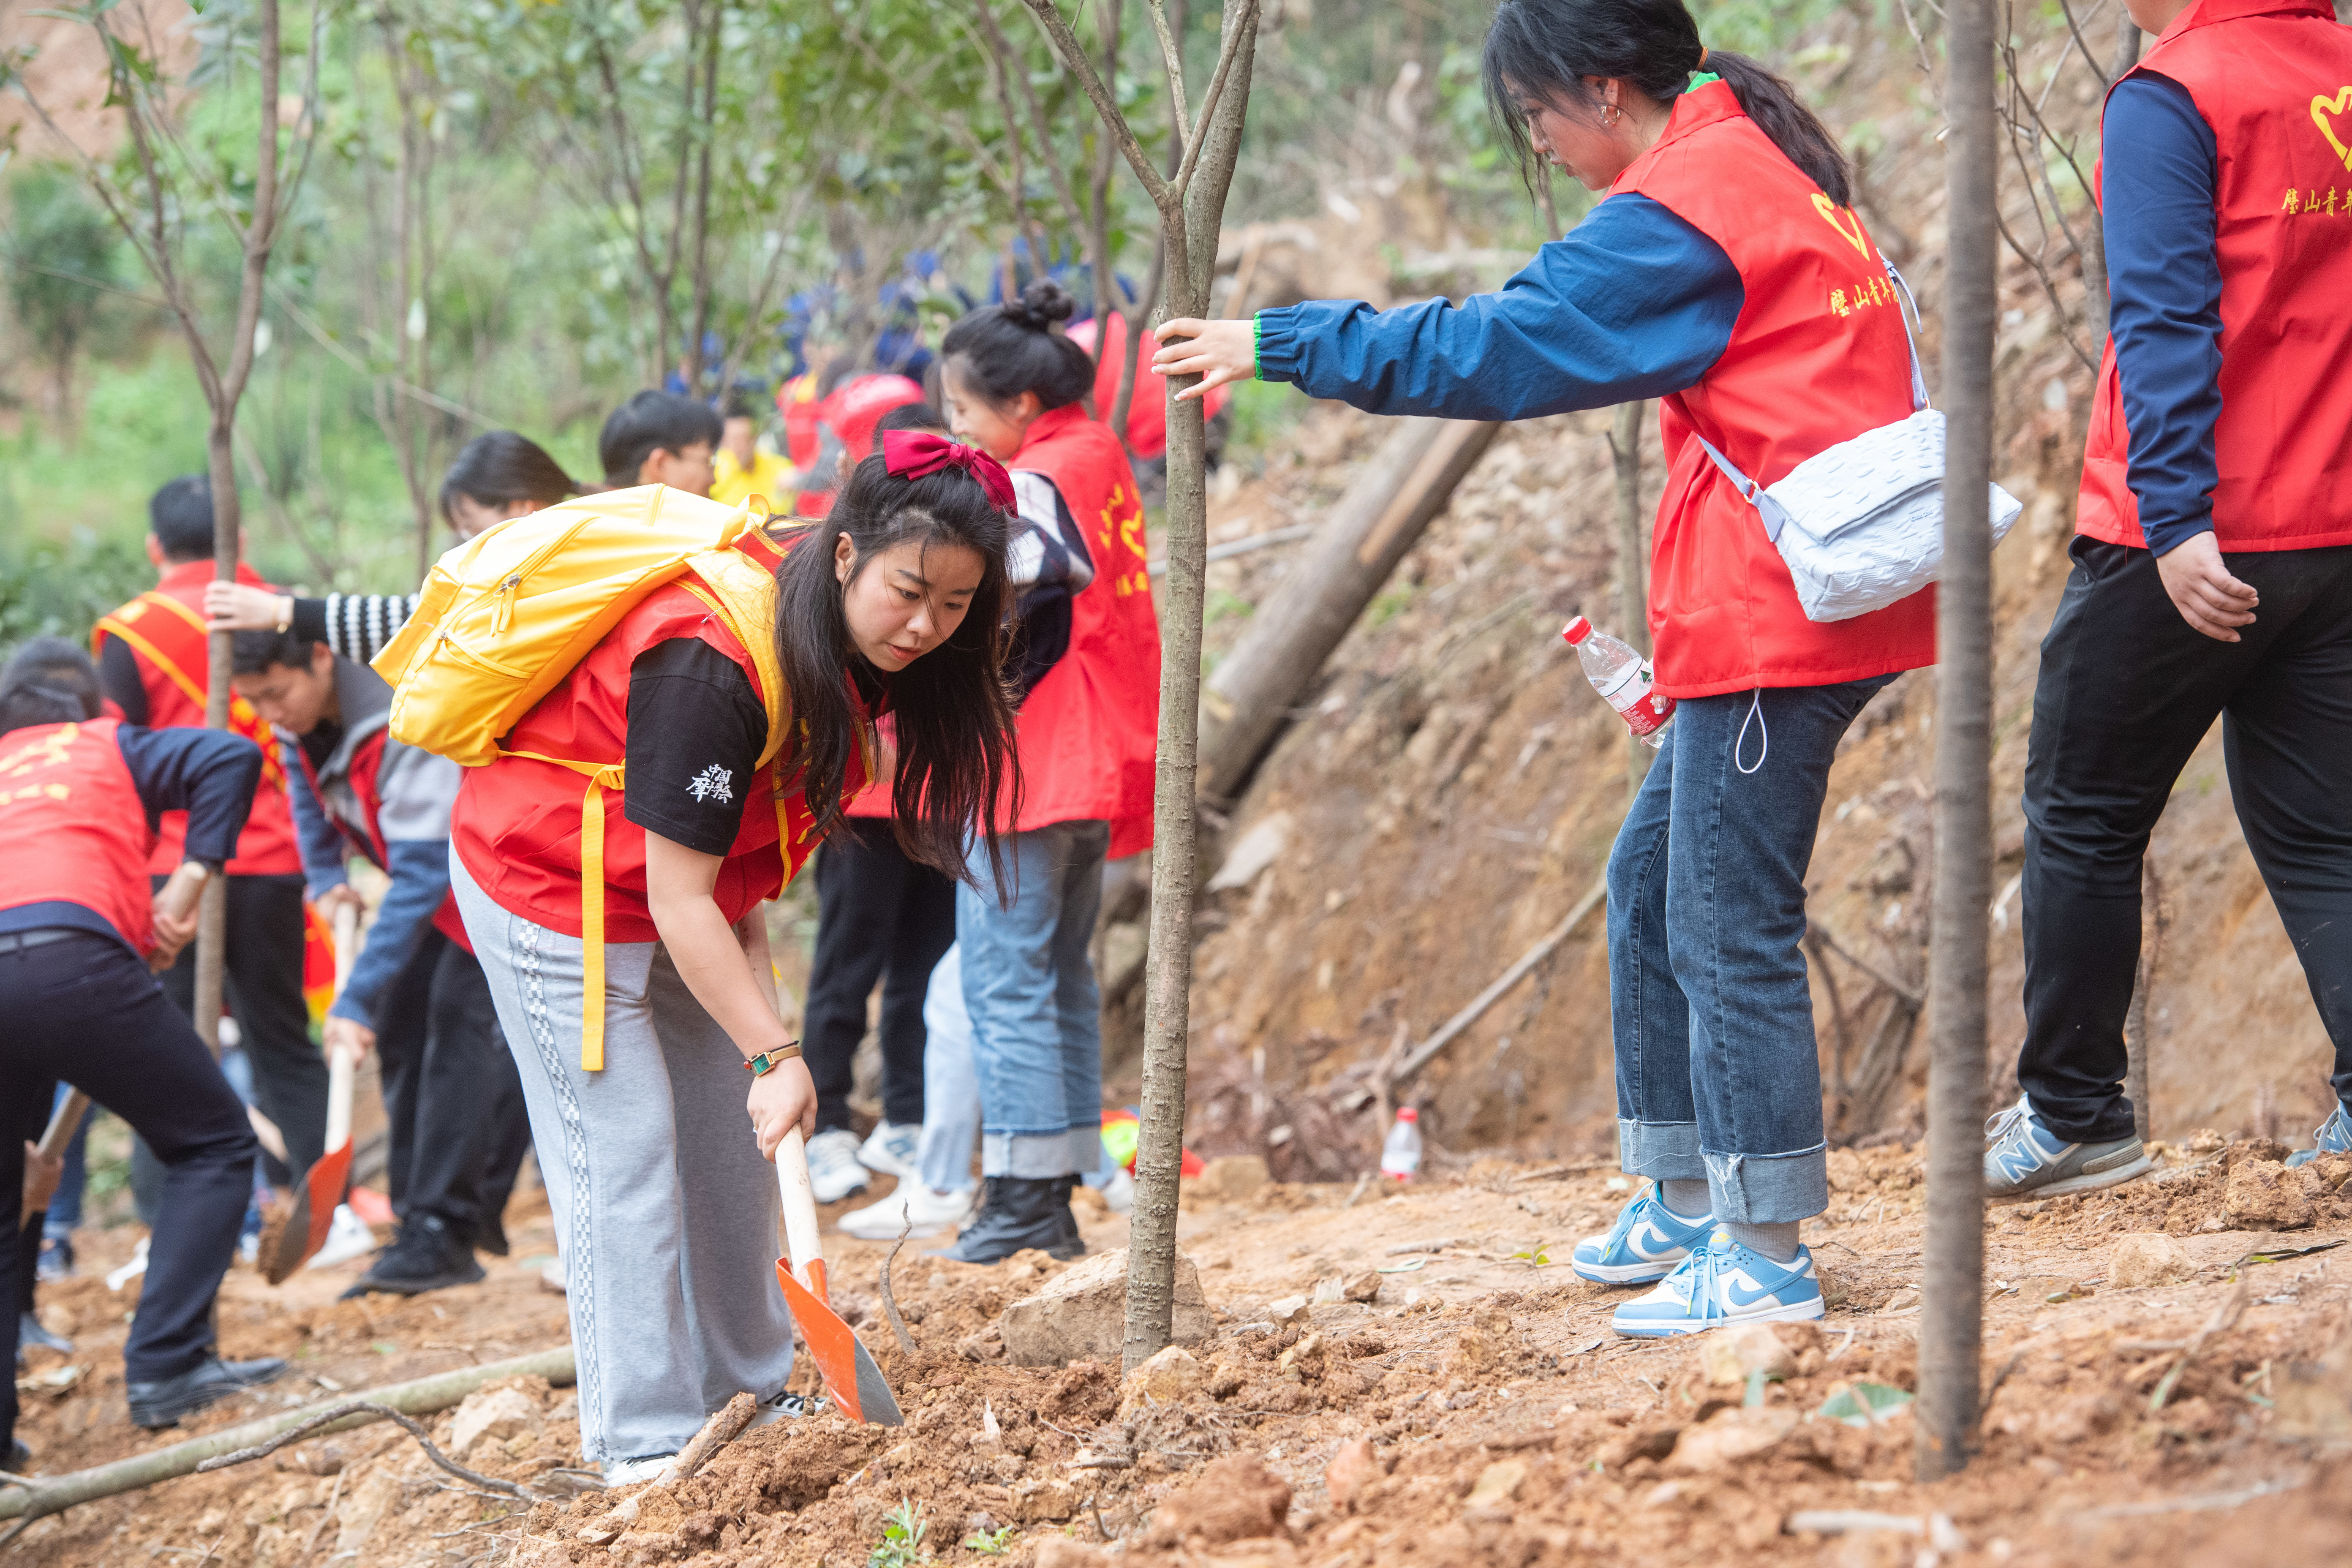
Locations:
{"points": [[1952, 1310]]}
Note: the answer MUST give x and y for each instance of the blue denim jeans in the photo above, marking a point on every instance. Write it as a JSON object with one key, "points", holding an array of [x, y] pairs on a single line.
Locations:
{"points": [[950, 1086], [1036, 1018], [1718, 1071]]}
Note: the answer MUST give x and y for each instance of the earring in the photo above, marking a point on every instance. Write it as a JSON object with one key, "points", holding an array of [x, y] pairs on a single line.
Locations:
{"points": [[1610, 114]]}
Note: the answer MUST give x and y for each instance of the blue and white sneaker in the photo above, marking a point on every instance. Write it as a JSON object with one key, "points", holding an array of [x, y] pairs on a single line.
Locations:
{"points": [[1648, 1242], [1722, 1284], [2334, 1137], [2028, 1161]]}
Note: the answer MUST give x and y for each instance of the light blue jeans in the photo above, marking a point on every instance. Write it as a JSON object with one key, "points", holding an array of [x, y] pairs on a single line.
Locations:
{"points": [[1037, 1015], [951, 1085]]}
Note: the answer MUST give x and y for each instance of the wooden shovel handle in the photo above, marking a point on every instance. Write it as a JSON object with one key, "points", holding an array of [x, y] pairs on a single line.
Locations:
{"points": [[802, 1243], [62, 1123], [340, 1070]]}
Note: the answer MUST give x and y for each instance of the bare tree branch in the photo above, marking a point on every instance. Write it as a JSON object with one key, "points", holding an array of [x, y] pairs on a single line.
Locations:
{"points": [[1065, 43]]}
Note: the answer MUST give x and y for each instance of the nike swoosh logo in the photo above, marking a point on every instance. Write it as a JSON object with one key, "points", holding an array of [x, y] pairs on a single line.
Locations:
{"points": [[1651, 1245], [1740, 1297]]}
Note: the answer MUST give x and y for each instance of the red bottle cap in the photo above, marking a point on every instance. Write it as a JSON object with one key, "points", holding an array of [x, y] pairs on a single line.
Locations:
{"points": [[1577, 630], [1407, 1113]]}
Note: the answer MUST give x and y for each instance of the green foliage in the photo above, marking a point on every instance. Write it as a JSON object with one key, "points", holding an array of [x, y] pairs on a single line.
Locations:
{"points": [[991, 1543], [61, 251], [1536, 1256], [903, 1529]]}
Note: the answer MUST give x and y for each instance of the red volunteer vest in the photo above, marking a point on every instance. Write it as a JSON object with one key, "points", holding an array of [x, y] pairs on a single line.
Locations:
{"points": [[72, 829], [517, 822], [1816, 357], [366, 835], [2273, 79], [165, 631], [1089, 730]]}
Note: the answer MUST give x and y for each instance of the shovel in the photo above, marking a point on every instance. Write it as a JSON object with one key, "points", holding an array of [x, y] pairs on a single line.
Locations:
{"points": [[842, 1359], [285, 1248]]}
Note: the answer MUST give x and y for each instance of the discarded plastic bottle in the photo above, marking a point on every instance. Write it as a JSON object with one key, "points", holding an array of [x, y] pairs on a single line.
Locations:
{"points": [[1623, 680], [1401, 1155]]}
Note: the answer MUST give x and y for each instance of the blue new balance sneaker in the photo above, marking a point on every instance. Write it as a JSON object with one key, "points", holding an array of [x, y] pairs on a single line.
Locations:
{"points": [[2334, 1137], [2028, 1161], [1648, 1242], [1722, 1284]]}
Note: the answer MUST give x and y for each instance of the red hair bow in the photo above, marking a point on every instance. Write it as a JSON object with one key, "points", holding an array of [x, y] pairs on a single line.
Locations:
{"points": [[911, 454]]}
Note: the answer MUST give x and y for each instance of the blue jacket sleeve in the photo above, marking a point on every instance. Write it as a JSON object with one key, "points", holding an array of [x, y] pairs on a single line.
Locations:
{"points": [[1634, 302], [2165, 283], [209, 774], [420, 881], [324, 853]]}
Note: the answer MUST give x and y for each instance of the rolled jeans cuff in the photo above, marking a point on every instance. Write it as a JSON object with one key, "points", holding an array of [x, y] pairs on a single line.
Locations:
{"points": [[1030, 1155], [1661, 1150], [1770, 1189]]}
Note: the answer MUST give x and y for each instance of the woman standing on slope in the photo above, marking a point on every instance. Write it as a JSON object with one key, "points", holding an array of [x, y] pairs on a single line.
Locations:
{"points": [[1726, 274], [666, 1199]]}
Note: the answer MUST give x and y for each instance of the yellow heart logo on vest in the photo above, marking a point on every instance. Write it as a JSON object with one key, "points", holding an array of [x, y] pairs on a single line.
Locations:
{"points": [[2321, 108], [1849, 226]]}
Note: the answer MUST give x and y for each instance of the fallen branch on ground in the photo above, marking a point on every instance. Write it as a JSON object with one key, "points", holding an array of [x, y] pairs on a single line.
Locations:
{"points": [[724, 1426], [42, 1496], [333, 1413], [1426, 1052], [2225, 1317], [890, 1298]]}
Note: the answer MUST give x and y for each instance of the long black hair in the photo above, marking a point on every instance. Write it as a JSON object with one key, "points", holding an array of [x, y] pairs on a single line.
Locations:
{"points": [[47, 681], [1003, 350], [501, 469], [954, 713], [1546, 50]]}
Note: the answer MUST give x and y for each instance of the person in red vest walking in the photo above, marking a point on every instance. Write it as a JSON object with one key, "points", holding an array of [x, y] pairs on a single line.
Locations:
{"points": [[81, 798], [154, 664], [1727, 273], [1089, 677], [2212, 558]]}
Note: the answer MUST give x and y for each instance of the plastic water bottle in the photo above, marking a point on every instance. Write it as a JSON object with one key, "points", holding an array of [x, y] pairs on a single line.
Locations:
{"points": [[1401, 1155], [1623, 680]]}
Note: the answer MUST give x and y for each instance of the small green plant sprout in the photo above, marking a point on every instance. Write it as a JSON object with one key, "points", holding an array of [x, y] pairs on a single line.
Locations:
{"points": [[1536, 1256], [903, 1529], [991, 1543]]}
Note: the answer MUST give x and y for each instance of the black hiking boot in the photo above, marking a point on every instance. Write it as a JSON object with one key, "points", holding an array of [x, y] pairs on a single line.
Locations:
{"points": [[425, 1255], [490, 1236], [165, 1401], [1018, 1211]]}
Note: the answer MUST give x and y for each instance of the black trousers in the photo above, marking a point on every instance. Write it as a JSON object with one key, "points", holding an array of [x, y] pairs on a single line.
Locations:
{"points": [[2128, 689], [264, 991], [83, 1009], [880, 916], [443, 1063]]}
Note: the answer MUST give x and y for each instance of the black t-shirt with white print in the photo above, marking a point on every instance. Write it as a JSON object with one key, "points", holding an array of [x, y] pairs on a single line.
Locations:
{"points": [[696, 727]]}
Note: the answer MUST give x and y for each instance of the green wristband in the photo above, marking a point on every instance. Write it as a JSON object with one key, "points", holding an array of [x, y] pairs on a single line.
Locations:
{"points": [[1255, 374]]}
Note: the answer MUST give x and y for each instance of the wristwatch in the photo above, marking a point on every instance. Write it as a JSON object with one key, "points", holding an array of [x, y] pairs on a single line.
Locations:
{"points": [[767, 1062]]}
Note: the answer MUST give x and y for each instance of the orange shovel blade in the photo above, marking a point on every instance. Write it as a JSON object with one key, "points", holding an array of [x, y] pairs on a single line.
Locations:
{"points": [[314, 1215], [847, 1367]]}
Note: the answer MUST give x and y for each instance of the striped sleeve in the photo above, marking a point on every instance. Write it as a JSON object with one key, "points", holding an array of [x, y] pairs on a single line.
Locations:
{"points": [[360, 625]]}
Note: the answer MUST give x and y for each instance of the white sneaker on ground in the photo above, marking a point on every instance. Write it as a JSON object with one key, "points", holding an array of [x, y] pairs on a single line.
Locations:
{"points": [[833, 1169], [348, 1236], [629, 1472], [932, 1213], [1119, 1192], [786, 1407], [890, 1148], [555, 1278]]}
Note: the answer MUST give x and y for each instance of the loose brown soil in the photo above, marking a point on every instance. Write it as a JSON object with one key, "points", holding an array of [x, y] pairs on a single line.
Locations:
{"points": [[1477, 1412]]}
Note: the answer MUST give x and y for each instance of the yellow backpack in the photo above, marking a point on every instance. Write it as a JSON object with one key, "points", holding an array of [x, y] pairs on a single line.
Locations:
{"points": [[504, 616]]}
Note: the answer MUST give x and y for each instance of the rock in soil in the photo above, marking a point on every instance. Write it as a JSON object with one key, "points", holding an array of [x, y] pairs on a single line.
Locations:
{"points": [[1235, 1499], [2147, 1258], [1081, 1314], [1165, 1379], [2264, 1195]]}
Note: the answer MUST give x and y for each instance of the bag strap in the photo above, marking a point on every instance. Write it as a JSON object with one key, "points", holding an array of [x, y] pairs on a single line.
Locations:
{"points": [[1776, 516]]}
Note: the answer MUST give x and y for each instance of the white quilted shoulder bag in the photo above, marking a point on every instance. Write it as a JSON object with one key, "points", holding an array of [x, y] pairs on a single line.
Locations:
{"points": [[1862, 524]]}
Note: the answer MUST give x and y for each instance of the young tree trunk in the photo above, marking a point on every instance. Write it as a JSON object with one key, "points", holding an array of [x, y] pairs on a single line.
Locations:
{"points": [[1633, 557], [1952, 1316]]}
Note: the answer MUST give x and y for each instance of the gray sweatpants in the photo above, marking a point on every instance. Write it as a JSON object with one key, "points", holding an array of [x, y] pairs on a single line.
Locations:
{"points": [[667, 1211]]}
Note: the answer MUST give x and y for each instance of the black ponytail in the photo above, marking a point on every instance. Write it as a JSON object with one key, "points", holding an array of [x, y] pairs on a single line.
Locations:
{"points": [[1003, 350], [1546, 50]]}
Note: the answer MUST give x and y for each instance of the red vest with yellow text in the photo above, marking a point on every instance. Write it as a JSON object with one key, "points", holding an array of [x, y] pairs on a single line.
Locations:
{"points": [[165, 631], [517, 822], [2273, 79], [1816, 357], [72, 827], [1089, 730]]}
